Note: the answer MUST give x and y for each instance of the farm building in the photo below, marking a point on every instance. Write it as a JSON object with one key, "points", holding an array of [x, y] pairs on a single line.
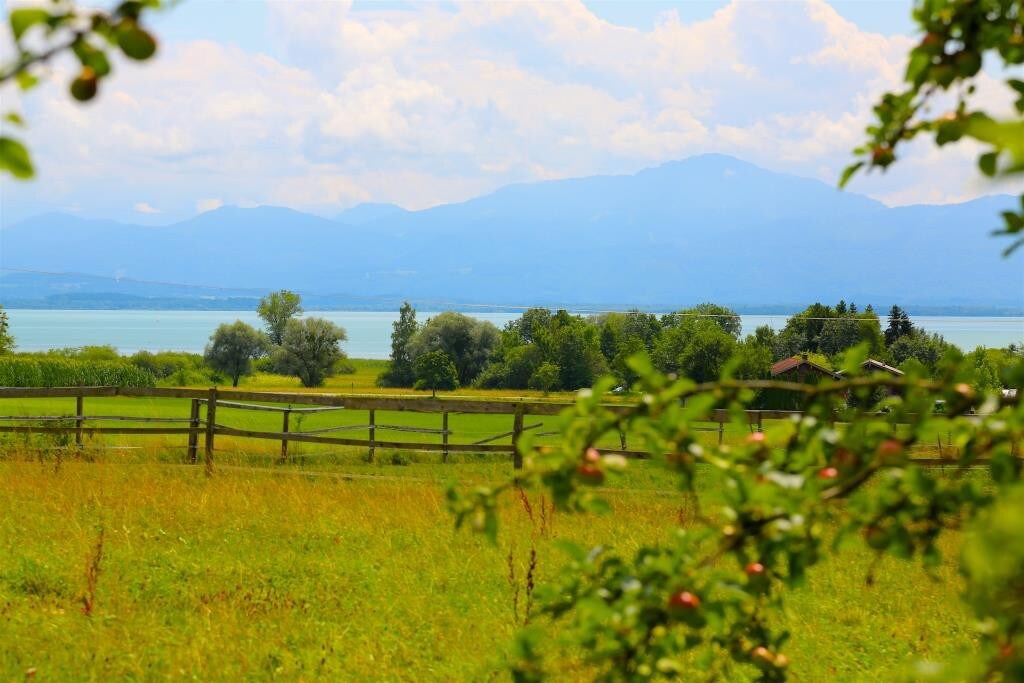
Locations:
{"points": [[872, 366], [801, 369]]}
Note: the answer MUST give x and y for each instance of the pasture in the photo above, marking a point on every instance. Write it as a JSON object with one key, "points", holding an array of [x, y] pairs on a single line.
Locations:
{"points": [[120, 560], [295, 575]]}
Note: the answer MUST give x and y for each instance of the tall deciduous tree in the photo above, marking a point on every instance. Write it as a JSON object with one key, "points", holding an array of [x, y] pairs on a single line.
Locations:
{"points": [[233, 347], [276, 309], [466, 341], [400, 371], [310, 348]]}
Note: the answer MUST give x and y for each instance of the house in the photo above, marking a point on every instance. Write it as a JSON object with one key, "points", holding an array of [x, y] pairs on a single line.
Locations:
{"points": [[801, 369], [872, 366]]}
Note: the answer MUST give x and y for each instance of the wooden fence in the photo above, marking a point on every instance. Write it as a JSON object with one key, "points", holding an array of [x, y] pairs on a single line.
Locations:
{"points": [[195, 424]]}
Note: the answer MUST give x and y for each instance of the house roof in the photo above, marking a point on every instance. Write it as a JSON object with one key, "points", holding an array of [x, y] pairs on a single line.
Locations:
{"points": [[872, 365], [788, 364]]}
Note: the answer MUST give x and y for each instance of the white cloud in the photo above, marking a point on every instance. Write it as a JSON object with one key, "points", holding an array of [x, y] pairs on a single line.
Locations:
{"points": [[204, 205], [143, 207], [438, 103]]}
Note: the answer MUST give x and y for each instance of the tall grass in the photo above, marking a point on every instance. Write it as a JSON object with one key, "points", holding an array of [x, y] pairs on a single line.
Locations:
{"points": [[54, 371]]}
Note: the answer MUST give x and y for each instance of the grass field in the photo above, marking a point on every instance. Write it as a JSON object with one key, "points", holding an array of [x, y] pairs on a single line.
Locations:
{"points": [[333, 566], [255, 574]]}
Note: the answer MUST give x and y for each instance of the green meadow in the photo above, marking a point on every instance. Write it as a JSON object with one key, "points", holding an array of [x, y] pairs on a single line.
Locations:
{"points": [[122, 561]]}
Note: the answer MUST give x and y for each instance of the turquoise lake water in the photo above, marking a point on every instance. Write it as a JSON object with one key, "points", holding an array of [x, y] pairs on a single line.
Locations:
{"points": [[369, 332]]}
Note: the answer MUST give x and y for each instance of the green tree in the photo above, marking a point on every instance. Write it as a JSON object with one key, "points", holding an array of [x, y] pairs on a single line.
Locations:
{"points": [[6, 339], [44, 31], [276, 309], [400, 371], [899, 325], [468, 342], [927, 349], [725, 318], [545, 378], [697, 348], [435, 370], [310, 349], [232, 349]]}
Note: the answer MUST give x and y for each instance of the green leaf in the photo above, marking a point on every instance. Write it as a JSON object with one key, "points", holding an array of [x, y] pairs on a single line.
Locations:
{"points": [[26, 81], [987, 163], [15, 118], [23, 19], [14, 159], [136, 43], [848, 173]]}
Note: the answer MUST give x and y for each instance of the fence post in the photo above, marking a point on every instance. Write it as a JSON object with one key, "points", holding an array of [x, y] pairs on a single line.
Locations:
{"points": [[79, 415], [211, 417], [193, 432], [760, 421], [373, 432], [517, 431], [721, 432], [284, 430], [444, 436], [622, 440]]}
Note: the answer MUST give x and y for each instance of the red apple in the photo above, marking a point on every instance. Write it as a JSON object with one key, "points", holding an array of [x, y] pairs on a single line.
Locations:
{"points": [[828, 473], [590, 474]]}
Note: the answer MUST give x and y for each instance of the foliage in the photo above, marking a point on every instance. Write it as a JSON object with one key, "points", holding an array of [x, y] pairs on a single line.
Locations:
{"points": [[704, 599], [178, 368], [232, 349], [899, 325], [276, 309], [43, 31], [466, 341], [927, 349], [310, 349], [820, 328], [400, 371], [24, 370], [435, 370], [545, 377], [944, 67], [694, 347], [6, 338]]}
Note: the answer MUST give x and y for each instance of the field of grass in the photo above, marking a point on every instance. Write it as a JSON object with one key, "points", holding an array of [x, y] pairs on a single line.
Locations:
{"points": [[264, 574], [331, 565]]}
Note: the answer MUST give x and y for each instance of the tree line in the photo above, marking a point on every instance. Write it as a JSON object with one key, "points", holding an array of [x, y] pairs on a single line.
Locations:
{"points": [[559, 351]]}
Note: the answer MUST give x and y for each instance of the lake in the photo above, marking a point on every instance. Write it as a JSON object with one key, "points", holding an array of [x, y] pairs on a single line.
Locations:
{"points": [[369, 332]]}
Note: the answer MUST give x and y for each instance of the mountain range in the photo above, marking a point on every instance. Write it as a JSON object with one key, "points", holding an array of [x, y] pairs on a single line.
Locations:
{"points": [[707, 228]]}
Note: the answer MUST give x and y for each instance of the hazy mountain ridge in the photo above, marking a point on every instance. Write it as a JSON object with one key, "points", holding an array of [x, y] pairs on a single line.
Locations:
{"points": [[705, 228]]}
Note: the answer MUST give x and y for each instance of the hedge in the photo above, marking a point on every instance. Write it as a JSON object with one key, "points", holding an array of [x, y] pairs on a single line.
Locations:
{"points": [[22, 371]]}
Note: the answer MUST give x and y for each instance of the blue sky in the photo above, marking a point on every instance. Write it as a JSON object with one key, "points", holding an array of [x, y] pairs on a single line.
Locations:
{"points": [[323, 105]]}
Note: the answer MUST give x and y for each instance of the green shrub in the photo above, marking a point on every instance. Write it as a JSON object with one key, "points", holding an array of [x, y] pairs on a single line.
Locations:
{"points": [[53, 371]]}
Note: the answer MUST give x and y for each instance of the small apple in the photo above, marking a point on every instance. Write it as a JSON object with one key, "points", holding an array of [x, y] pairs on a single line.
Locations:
{"points": [[685, 606], [590, 474], [781, 661], [890, 451], [755, 569], [683, 600], [828, 473], [592, 455], [756, 438], [762, 656]]}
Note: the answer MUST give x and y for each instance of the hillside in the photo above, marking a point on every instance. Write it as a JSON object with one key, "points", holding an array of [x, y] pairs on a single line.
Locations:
{"points": [[706, 228]]}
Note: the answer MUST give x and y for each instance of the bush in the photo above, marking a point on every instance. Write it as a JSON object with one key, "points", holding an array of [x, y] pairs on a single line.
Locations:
{"points": [[49, 371]]}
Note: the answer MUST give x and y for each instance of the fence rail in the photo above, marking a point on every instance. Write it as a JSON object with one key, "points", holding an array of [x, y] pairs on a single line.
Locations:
{"points": [[215, 398]]}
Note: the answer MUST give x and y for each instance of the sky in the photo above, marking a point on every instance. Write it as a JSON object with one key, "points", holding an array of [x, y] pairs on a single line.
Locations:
{"points": [[320, 106]]}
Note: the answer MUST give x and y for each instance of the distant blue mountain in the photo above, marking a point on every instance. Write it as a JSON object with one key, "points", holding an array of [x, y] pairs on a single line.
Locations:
{"points": [[708, 228], [362, 214]]}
